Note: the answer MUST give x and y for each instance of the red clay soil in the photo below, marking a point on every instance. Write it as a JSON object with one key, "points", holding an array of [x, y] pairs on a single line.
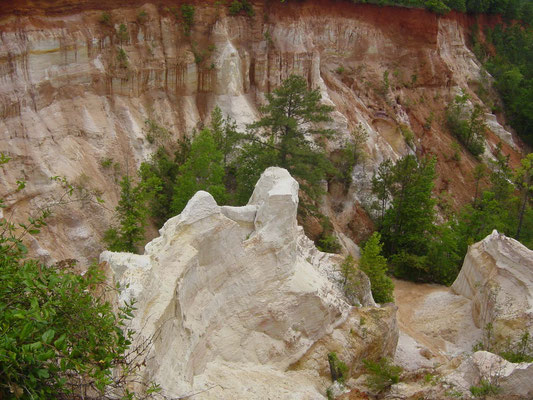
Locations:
{"points": [[410, 22]]}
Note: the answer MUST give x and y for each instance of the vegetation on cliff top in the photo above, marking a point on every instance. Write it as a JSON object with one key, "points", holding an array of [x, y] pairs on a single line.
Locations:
{"points": [[509, 9]]}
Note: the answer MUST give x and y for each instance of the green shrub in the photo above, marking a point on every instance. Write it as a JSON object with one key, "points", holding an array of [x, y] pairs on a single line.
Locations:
{"points": [[374, 265], [187, 14], [408, 135], [382, 374], [467, 126], [122, 58], [106, 163], [105, 19], [484, 389], [241, 5], [328, 243], [122, 33], [437, 6], [142, 16], [58, 339], [338, 369]]}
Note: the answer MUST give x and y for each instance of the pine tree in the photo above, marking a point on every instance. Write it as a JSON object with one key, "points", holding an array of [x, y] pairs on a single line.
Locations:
{"points": [[131, 213], [374, 265], [290, 120]]}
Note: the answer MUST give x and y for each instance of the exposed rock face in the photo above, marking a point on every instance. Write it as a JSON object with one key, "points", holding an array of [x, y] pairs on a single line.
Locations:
{"points": [[497, 275], [68, 104], [513, 380], [235, 297]]}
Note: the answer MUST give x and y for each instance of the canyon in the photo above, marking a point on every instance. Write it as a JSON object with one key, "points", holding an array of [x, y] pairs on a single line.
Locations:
{"points": [[238, 303], [239, 300], [69, 107]]}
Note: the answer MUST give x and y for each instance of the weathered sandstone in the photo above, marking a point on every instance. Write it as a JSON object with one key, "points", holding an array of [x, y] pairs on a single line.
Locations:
{"points": [[497, 275], [238, 300], [67, 105]]}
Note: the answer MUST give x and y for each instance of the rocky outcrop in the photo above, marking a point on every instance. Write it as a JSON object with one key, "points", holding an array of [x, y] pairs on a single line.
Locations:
{"points": [[512, 380], [497, 275], [71, 106], [238, 302]]}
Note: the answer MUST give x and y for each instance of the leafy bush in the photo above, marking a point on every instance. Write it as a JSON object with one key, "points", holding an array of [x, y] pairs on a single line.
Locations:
{"points": [[58, 339], [467, 126], [187, 14], [382, 374], [241, 5]]}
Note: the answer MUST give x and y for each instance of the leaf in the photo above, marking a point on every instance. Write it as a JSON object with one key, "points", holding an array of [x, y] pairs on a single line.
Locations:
{"points": [[43, 373], [48, 336], [26, 330], [60, 342], [36, 346]]}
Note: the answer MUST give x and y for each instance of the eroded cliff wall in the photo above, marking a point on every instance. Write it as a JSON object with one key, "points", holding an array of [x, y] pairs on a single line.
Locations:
{"points": [[69, 104]]}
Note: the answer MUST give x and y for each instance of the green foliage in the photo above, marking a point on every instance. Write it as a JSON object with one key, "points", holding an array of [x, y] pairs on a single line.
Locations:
{"points": [[105, 19], [408, 135], [484, 389], [237, 6], [122, 58], [142, 16], [499, 207], [225, 134], [187, 14], [327, 241], [437, 6], [350, 153], [417, 248], [252, 160], [158, 177], [468, 127], [521, 351], [289, 120], [57, 338], [338, 369], [122, 33], [512, 69], [131, 214], [348, 271], [106, 163], [523, 179], [456, 156], [411, 215], [203, 170], [382, 374], [51, 327], [374, 265], [340, 70], [154, 132]]}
